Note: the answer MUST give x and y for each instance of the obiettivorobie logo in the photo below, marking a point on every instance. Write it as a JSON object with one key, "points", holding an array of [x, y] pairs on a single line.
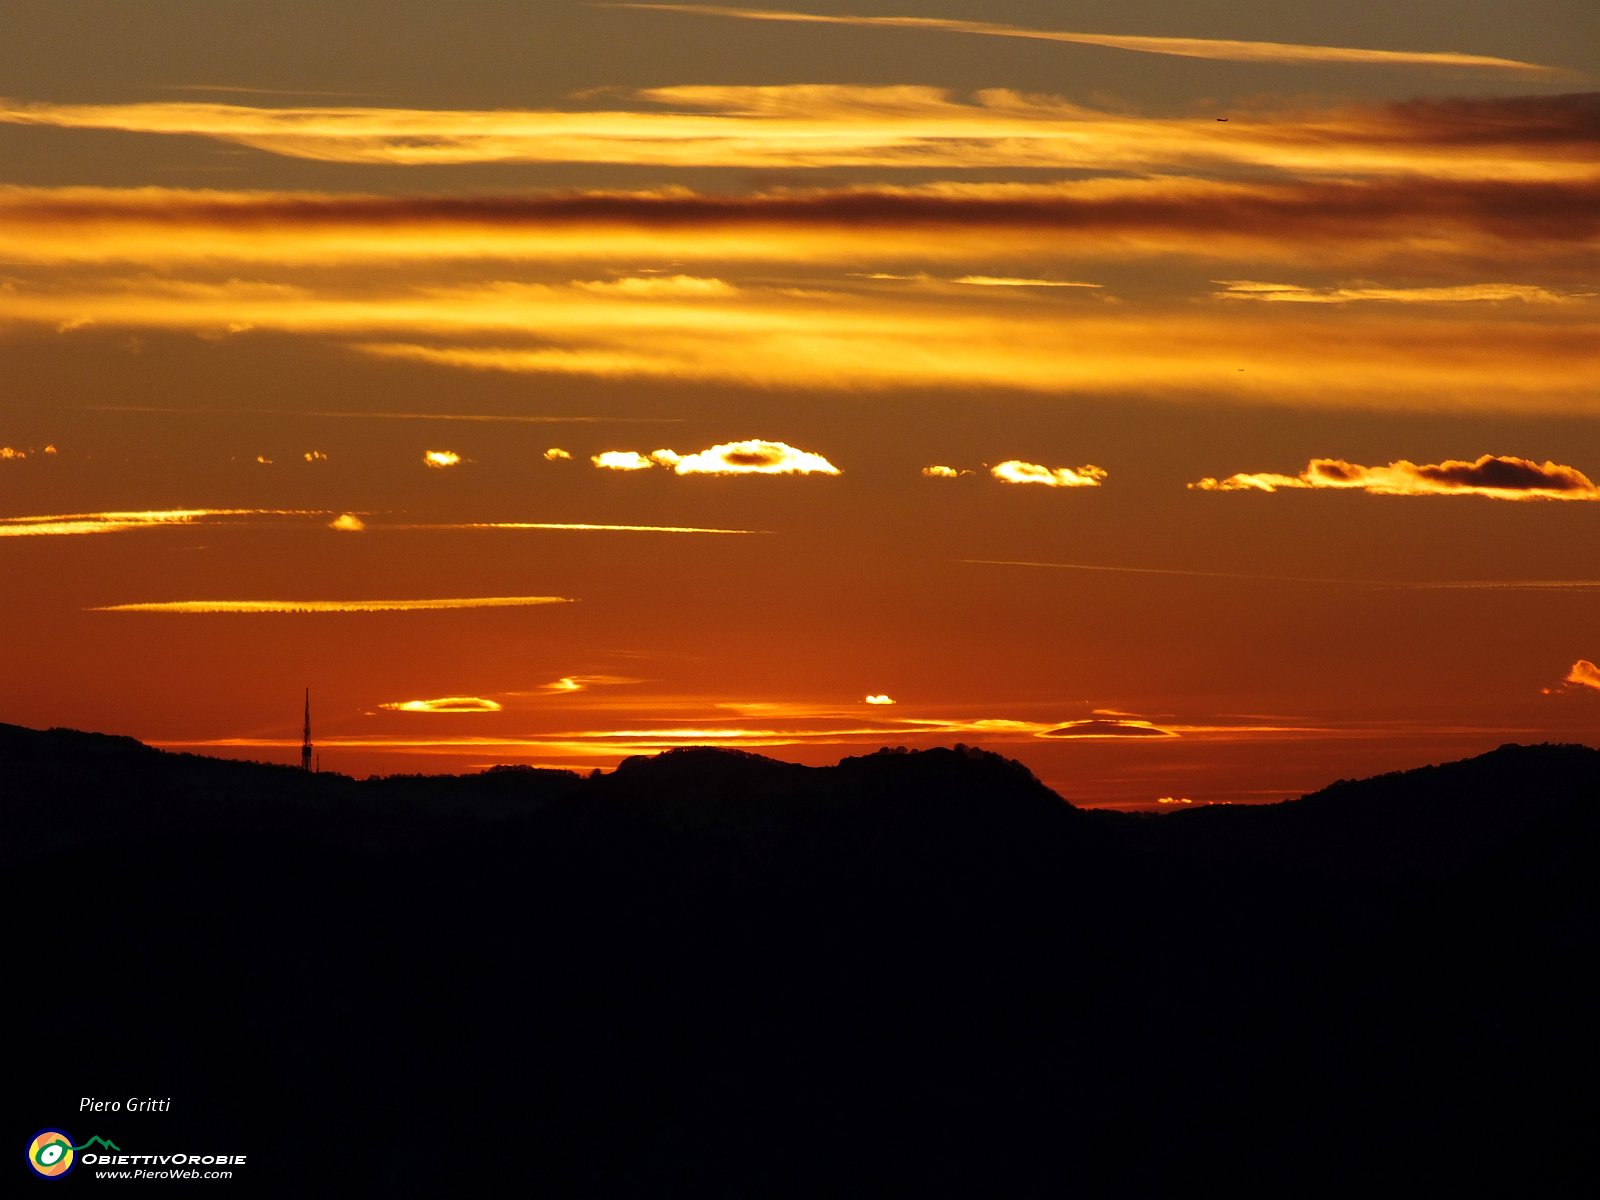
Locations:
{"points": [[52, 1154]]}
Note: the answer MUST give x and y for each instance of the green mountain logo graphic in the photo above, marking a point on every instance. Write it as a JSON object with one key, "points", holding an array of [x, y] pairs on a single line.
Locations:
{"points": [[99, 1141]]}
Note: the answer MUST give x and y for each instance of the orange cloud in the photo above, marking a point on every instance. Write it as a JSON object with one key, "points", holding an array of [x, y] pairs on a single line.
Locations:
{"points": [[1008, 281], [942, 472], [1015, 471], [753, 457], [347, 523], [621, 460], [1511, 218], [445, 704], [1584, 674], [879, 699], [813, 125], [67, 524], [1246, 289], [661, 285], [1498, 477], [1183, 47], [331, 606], [439, 459], [557, 454]]}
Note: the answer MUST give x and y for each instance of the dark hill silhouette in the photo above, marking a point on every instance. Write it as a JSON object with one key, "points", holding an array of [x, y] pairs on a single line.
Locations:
{"points": [[714, 974]]}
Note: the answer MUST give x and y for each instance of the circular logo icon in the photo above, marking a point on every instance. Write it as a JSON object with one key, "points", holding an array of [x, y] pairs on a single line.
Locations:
{"points": [[50, 1153]]}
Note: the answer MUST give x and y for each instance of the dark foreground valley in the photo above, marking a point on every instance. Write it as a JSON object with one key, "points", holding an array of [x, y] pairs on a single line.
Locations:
{"points": [[711, 974]]}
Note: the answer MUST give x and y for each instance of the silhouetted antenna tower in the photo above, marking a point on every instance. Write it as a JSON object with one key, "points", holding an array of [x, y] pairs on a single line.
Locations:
{"points": [[305, 743]]}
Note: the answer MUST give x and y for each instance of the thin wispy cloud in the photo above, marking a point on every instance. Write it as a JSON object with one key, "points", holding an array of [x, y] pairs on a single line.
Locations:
{"points": [[581, 527], [330, 606], [803, 126], [73, 524], [1184, 47], [1528, 585], [1498, 477], [1423, 223], [445, 704], [1467, 293]]}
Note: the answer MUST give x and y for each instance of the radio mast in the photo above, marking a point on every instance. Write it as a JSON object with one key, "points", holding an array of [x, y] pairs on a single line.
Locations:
{"points": [[305, 743]]}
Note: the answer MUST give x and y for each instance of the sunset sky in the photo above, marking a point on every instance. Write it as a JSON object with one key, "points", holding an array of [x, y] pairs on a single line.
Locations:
{"points": [[1195, 401]]}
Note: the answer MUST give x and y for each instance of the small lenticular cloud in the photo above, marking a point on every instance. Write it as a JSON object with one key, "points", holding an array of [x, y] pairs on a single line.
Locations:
{"points": [[347, 523], [557, 454], [879, 698], [439, 459], [621, 460], [940, 472], [1014, 471], [444, 704]]}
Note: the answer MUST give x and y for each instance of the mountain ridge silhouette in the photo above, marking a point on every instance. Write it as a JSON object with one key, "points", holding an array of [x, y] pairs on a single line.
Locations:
{"points": [[715, 974]]}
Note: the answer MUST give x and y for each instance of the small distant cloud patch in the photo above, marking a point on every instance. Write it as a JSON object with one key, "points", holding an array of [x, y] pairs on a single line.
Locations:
{"points": [[880, 699], [315, 456], [942, 472], [439, 459], [1015, 471], [557, 454], [347, 523]]}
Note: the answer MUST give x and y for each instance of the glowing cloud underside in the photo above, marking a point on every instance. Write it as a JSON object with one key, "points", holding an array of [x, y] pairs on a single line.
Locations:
{"points": [[1497, 477], [1584, 674], [1015, 471], [331, 606], [1213, 48], [441, 458], [445, 704]]}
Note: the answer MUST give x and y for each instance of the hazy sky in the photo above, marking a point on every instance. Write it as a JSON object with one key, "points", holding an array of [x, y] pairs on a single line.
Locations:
{"points": [[1194, 401]]}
